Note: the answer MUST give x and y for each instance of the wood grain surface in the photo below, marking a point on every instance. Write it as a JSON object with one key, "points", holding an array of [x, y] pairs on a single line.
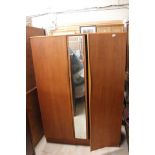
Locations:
{"points": [[30, 77], [32, 104], [29, 145], [106, 71], [34, 116], [50, 59]]}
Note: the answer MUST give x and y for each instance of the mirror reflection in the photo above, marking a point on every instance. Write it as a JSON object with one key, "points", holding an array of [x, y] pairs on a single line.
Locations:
{"points": [[76, 53]]}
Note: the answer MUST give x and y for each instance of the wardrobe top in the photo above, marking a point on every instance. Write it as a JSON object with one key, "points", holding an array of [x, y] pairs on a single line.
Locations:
{"points": [[79, 34]]}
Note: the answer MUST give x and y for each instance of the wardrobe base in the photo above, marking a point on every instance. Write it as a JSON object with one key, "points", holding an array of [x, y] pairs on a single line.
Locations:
{"points": [[74, 142]]}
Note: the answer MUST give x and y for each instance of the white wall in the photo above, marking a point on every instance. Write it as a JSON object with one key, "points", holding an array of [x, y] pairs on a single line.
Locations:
{"points": [[45, 21], [41, 6], [52, 20], [74, 18]]}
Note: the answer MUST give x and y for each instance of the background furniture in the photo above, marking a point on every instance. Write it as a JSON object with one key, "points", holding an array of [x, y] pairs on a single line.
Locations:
{"points": [[29, 145], [105, 26], [32, 103]]}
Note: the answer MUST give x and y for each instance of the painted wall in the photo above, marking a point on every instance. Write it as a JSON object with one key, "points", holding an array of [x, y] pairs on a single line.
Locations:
{"points": [[51, 21], [74, 18]]}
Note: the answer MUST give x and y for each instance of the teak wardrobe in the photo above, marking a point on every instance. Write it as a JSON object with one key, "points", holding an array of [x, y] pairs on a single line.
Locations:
{"points": [[104, 72]]}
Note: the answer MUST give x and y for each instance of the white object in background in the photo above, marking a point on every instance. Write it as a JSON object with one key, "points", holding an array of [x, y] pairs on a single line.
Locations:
{"points": [[44, 21], [77, 53]]}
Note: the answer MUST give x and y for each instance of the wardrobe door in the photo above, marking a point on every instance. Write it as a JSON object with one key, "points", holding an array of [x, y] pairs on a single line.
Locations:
{"points": [[50, 59], [106, 85]]}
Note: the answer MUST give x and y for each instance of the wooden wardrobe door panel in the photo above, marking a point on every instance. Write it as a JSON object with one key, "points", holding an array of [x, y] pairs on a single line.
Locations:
{"points": [[50, 59], [107, 71]]}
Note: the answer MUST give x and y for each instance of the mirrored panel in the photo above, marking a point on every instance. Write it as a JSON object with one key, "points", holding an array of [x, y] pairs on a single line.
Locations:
{"points": [[77, 70]]}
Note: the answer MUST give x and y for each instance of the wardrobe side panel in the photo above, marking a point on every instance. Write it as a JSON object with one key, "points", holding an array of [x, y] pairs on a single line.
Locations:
{"points": [[52, 78]]}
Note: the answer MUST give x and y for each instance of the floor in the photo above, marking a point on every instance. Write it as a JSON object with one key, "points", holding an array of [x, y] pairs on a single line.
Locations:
{"points": [[44, 148], [80, 121]]}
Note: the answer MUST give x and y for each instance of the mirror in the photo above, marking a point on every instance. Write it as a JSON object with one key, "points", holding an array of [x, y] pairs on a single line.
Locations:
{"points": [[77, 70]]}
